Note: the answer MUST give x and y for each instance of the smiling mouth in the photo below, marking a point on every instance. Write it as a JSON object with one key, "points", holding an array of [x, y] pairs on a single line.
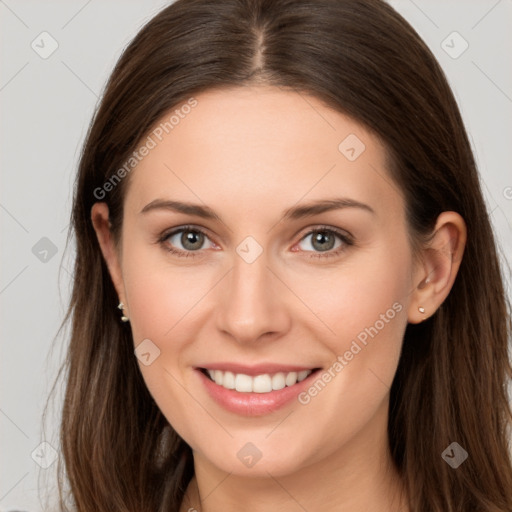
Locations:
{"points": [[263, 383]]}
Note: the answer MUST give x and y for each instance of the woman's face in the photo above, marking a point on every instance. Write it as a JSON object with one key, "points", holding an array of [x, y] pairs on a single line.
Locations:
{"points": [[264, 238]]}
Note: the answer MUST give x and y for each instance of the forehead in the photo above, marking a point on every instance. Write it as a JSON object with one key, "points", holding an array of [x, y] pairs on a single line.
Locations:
{"points": [[253, 143]]}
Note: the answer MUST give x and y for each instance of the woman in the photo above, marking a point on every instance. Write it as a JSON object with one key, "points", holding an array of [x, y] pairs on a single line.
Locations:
{"points": [[286, 294]]}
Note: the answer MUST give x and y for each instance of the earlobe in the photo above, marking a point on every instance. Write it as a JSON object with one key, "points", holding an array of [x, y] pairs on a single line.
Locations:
{"points": [[441, 260], [102, 227]]}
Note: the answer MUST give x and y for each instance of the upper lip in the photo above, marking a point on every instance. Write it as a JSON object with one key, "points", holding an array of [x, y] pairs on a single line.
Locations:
{"points": [[257, 369]]}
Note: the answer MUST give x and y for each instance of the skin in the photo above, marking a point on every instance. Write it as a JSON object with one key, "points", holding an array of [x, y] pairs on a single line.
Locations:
{"points": [[250, 153]]}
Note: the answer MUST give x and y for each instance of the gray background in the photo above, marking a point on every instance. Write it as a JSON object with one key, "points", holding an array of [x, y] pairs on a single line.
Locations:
{"points": [[46, 107]]}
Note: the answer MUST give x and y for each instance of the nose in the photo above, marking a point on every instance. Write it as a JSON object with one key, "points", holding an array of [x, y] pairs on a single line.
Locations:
{"points": [[252, 303]]}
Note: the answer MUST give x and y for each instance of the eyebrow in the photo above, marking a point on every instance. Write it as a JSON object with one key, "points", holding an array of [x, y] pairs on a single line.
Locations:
{"points": [[293, 213]]}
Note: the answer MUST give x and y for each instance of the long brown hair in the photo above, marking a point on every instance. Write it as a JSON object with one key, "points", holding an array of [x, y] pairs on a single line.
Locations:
{"points": [[364, 60]]}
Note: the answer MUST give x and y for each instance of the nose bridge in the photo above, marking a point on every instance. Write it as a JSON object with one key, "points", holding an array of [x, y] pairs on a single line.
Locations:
{"points": [[251, 306]]}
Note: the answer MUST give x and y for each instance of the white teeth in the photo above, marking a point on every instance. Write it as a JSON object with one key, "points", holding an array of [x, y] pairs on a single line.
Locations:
{"points": [[264, 383], [291, 378], [279, 381], [229, 380], [302, 375], [243, 383], [218, 377]]}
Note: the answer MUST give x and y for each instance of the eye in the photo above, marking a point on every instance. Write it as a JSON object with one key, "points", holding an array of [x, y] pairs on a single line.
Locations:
{"points": [[185, 241], [325, 240]]}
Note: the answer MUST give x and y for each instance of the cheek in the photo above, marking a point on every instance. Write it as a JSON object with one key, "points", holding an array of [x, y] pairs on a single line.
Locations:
{"points": [[160, 295], [364, 306], [369, 299], [367, 290], [161, 301]]}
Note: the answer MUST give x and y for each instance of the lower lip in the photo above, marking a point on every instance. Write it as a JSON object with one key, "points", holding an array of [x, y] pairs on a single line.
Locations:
{"points": [[253, 404]]}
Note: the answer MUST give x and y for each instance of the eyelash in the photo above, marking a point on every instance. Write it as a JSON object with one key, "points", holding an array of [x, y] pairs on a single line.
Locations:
{"points": [[346, 239]]}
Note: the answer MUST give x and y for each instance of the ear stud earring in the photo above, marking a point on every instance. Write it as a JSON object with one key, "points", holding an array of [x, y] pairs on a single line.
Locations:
{"points": [[123, 318], [421, 309]]}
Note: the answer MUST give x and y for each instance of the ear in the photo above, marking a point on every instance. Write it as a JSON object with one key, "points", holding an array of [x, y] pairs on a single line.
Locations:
{"points": [[440, 262], [101, 224]]}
